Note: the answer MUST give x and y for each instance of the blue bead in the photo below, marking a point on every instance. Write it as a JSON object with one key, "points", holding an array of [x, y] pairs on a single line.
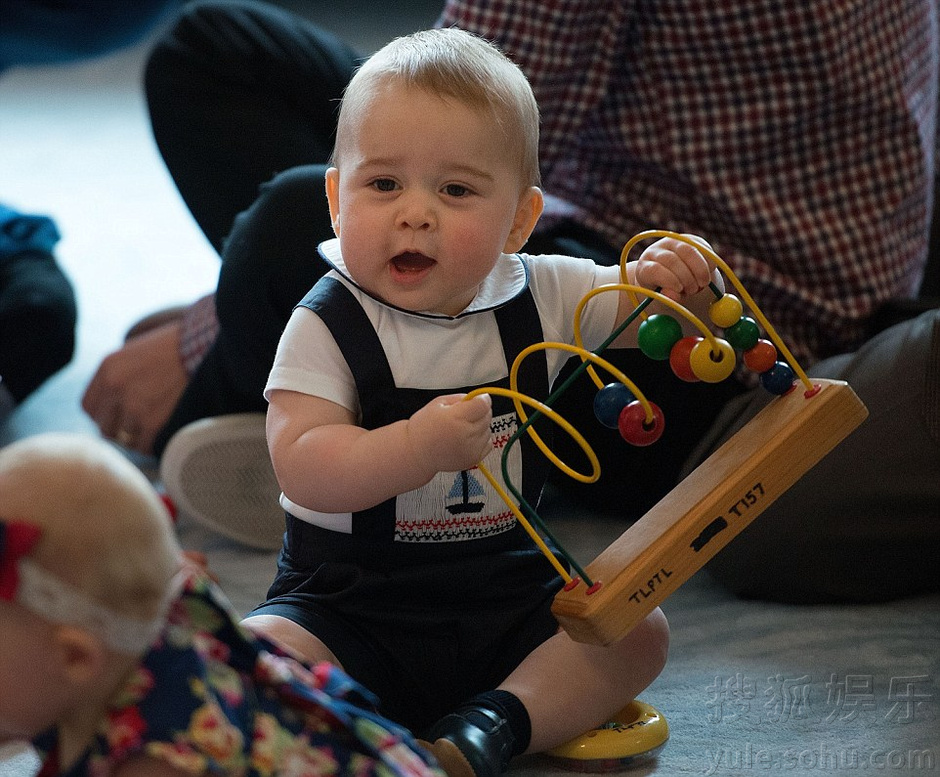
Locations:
{"points": [[778, 379], [609, 401]]}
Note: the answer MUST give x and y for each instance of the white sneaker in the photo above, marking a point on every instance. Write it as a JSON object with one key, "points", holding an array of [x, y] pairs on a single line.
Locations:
{"points": [[219, 473]]}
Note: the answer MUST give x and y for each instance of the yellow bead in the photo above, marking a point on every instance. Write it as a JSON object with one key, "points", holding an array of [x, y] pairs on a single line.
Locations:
{"points": [[726, 311], [710, 367]]}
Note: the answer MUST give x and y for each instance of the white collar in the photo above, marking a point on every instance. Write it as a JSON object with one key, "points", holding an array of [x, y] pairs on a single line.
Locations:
{"points": [[508, 279]]}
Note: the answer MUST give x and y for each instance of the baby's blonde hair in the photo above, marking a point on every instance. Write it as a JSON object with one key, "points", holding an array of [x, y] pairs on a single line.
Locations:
{"points": [[104, 529], [452, 63]]}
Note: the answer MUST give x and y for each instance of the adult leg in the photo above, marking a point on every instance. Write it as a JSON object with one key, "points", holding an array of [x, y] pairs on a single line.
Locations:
{"points": [[237, 92], [269, 263], [864, 523]]}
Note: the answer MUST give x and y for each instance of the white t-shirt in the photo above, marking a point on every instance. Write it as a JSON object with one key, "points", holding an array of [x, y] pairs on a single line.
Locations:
{"points": [[428, 351]]}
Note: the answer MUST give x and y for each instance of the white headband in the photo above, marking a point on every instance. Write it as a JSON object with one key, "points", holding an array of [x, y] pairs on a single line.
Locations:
{"points": [[49, 597]]}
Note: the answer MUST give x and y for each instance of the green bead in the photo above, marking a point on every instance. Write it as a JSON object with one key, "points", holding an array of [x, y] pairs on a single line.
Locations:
{"points": [[744, 334], [657, 335]]}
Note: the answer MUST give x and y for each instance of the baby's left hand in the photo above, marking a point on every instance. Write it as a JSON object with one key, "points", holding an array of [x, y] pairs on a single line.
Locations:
{"points": [[677, 268]]}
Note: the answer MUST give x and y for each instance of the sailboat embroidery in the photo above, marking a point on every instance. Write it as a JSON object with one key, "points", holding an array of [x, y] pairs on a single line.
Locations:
{"points": [[465, 488]]}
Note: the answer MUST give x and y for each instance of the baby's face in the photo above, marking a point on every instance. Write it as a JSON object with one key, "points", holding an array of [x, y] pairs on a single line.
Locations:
{"points": [[31, 691], [424, 198]]}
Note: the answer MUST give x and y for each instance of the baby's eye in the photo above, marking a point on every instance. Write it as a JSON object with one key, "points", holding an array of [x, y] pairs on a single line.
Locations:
{"points": [[456, 190], [384, 184]]}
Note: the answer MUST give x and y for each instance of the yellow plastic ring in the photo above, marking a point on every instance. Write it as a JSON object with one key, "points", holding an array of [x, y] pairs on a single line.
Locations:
{"points": [[637, 733]]}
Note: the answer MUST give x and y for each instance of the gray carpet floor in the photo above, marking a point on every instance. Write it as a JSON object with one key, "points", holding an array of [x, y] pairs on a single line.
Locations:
{"points": [[750, 687]]}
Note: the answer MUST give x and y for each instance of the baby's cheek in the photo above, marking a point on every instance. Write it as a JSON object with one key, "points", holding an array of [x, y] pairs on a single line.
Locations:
{"points": [[475, 253]]}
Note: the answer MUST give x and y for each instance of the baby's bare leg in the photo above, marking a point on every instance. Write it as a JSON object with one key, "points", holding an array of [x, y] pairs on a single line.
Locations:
{"points": [[569, 687], [291, 637]]}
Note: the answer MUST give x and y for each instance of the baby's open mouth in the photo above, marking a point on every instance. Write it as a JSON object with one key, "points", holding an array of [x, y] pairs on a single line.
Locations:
{"points": [[411, 262]]}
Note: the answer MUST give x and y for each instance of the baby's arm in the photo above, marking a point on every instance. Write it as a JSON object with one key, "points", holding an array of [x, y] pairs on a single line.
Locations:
{"points": [[680, 271], [325, 462]]}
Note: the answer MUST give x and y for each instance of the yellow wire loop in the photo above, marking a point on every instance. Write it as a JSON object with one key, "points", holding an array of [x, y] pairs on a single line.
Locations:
{"points": [[633, 289], [588, 356], [523, 521], [729, 273], [519, 399]]}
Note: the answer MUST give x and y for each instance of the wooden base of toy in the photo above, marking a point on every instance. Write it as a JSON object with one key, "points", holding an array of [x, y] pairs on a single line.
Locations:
{"points": [[669, 544]]}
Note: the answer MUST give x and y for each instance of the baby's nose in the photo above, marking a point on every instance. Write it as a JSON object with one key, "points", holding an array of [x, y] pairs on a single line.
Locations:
{"points": [[417, 212]]}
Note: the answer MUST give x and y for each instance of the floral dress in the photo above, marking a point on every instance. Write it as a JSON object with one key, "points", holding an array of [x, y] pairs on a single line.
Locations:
{"points": [[210, 698]]}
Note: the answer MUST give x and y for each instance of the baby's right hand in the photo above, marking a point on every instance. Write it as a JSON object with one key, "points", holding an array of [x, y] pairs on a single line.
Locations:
{"points": [[450, 433], [677, 268]]}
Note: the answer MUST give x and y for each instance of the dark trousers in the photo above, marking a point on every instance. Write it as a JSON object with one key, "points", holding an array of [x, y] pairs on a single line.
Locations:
{"points": [[243, 100]]}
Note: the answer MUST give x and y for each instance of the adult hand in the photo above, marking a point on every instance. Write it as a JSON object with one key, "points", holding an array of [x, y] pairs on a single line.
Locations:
{"points": [[135, 389]]}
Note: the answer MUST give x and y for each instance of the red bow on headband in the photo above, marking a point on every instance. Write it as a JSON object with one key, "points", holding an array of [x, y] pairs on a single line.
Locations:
{"points": [[16, 540]]}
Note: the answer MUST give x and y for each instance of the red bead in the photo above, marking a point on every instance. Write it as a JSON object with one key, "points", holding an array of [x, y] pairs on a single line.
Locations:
{"points": [[633, 426], [679, 358], [761, 357]]}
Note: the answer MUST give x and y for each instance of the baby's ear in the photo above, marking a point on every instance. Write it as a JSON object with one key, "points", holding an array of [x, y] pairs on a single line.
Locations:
{"points": [[332, 196], [82, 654], [528, 211]]}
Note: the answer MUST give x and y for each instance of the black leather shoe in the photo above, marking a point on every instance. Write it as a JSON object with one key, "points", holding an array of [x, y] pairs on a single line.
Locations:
{"points": [[482, 737]]}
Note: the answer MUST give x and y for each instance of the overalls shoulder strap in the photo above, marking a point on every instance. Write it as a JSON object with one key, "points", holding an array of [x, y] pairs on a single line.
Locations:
{"points": [[360, 345]]}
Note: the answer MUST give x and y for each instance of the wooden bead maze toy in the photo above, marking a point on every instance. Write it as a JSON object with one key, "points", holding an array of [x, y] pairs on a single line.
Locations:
{"points": [[704, 512]]}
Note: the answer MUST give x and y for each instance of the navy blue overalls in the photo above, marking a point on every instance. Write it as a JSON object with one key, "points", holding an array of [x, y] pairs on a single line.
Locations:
{"points": [[423, 623]]}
